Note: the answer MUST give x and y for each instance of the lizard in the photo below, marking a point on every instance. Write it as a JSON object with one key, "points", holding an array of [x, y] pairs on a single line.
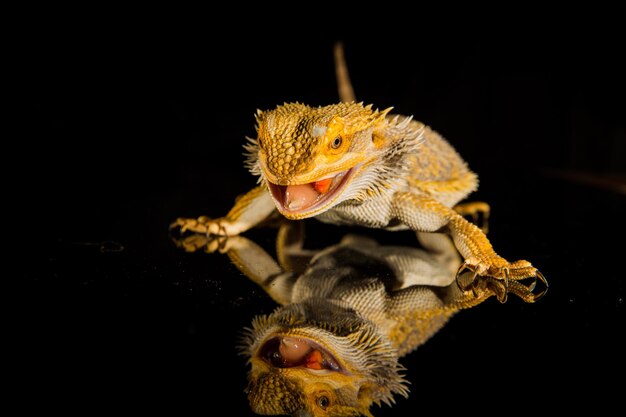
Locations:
{"points": [[352, 164], [347, 314]]}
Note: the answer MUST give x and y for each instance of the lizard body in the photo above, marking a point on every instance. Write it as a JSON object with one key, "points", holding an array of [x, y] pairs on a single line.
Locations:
{"points": [[349, 163]]}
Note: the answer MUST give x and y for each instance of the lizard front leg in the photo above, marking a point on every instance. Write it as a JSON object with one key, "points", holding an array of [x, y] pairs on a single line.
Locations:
{"points": [[249, 210], [478, 211], [425, 214]]}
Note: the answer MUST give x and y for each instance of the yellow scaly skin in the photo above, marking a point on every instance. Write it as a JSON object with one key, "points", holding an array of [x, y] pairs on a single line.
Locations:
{"points": [[389, 172]]}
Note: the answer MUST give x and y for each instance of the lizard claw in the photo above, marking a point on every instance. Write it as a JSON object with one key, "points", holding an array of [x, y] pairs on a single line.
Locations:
{"points": [[501, 280]]}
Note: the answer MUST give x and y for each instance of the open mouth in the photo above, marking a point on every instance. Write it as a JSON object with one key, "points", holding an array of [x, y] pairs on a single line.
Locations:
{"points": [[304, 197], [290, 352]]}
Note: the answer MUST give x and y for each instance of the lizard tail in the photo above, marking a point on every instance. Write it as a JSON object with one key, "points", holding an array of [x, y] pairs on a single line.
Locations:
{"points": [[346, 92]]}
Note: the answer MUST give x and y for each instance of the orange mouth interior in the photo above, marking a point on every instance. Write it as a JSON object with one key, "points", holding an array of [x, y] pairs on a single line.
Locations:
{"points": [[301, 197]]}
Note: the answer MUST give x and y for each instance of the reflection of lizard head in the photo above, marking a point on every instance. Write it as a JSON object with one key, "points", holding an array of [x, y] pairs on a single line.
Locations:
{"points": [[313, 158], [332, 364]]}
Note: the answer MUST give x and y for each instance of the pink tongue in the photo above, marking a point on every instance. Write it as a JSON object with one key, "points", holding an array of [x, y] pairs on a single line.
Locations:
{"points": [[299, 196], [293, 350]]}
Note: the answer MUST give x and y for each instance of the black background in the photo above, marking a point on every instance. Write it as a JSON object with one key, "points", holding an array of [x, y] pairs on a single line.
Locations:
{"points": [[127, 121]]}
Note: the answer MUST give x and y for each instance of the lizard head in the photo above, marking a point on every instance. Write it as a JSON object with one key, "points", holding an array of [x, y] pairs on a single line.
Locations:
{"points": [[313, 158], [305, 369]]}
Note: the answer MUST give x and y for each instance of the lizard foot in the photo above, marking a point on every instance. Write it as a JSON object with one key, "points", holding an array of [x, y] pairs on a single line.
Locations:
{"points": [[502, 279], [195, 242], [203, 224]]}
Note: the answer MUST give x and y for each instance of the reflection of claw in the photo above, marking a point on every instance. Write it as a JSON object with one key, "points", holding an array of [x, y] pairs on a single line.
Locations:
{"points": [[462, 269], [191, 243], [527, 292], [504, 295], [499, 289], [506, 278], [211, 244], [202, 225], [221, 244]]}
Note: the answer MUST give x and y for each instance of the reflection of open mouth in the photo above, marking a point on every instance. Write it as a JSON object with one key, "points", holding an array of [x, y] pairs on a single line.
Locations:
{"points": [[303, 197], [289, 352]]}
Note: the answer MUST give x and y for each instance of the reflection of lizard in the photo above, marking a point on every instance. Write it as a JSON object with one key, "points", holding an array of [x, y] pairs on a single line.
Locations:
{"points": [[351, 164], [347, 314]]}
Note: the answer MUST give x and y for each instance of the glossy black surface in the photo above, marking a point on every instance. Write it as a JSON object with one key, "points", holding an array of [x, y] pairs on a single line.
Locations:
{"points": [[125, 133]]}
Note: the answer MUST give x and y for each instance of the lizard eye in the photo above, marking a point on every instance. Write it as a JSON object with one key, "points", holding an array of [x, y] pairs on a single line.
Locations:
{"points": [[260, 142], [336, 142], [323, 402]]}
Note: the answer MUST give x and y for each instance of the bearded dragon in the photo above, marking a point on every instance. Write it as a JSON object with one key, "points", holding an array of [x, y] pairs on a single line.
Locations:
{"points": [[347, 314], [351, 164]]}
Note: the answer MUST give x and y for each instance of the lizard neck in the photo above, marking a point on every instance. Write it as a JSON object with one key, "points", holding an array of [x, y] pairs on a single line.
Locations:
{"points": [[395, 143]]}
